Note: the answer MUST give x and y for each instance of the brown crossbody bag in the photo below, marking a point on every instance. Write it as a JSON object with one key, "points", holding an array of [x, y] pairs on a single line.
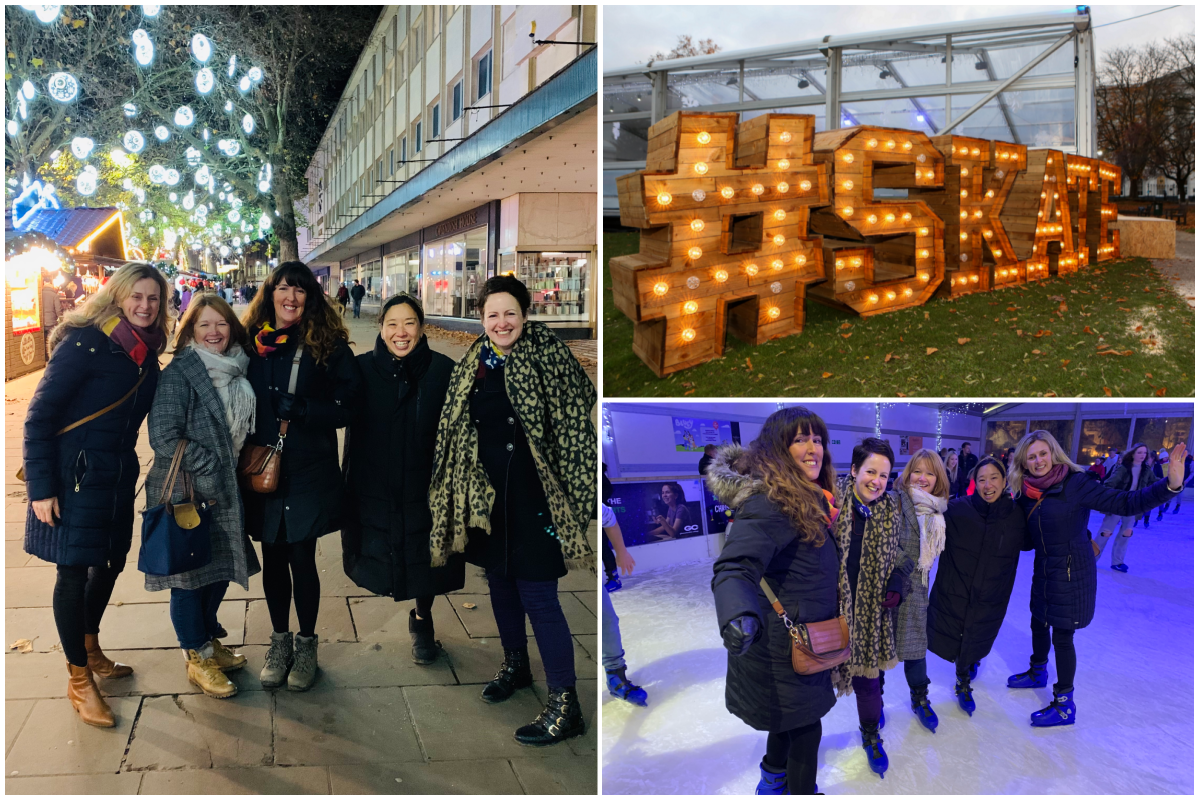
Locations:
{"points": [[816, 646], [259, 465]]}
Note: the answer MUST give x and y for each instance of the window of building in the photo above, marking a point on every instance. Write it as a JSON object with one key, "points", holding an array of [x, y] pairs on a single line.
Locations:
{"points": [[435, 121], [417, 138], [457, 103], [403, 149], [433, 22], [391, 161], [483, 75], [1097, 436], [379, 171]]}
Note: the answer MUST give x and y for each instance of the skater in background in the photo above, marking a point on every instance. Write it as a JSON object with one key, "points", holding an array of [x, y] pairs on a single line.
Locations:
{"points": [[1131, 473], [781, 491], [1156, 462], [1056, 495], [985, 534], [613, 655], [954, 476], [923, 491]]}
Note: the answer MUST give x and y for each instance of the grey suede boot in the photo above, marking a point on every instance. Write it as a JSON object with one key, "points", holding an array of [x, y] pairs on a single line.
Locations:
{"points": [[279, 661], [304, 671]]}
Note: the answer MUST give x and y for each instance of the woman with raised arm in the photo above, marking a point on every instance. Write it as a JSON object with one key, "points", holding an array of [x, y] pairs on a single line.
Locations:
{"points": [[1134, 471]]}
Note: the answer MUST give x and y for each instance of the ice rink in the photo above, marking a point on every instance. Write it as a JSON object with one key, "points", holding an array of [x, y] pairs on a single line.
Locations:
{"points": [[1133, 689]]}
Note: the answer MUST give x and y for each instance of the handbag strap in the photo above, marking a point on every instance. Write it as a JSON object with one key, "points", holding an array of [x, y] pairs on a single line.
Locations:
{"points": [[283, 426], [106, 409], [773, 600], [173, 472], [1029, 516]]}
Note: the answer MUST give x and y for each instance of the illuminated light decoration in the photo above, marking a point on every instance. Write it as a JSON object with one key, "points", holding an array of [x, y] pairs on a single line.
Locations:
{"points": [[688, 334], [157, 173], [691, 307], [847, 212], [193, 156], [184, 116], [773, 312], [964, 257], [248, 126], [704, 137], [13, 127], [962, 214], [131, 110], [782, 187], [780, 215], [201, 48], [987, 234], [720, 276], [143, 48], [85, 182], [134, 141], [975, 151], [224, 251], [664, 199], [62, 87], [805, 185], [173, 197], [871, 218], [776, 287], [171, 177], [785, 136], [978, 213], [964, 172], [231, 147], [120, 157], [924, 254], [752, 270], [661, 288], [963, 193], [203, 176], [777, 265], [890, 218], [757, 189], [232, 66], [890, 295], [801, 260], [921, 158], [1056, 195], [872, 142], [840, 263], [848, 158], [856, 262], [923, 231], [202, 211], [234, 215], [929, 174], [908, 145], [244, 84], [694, 253], [963, 235], [255, 74], [727, 192], [700, 167], [150, 10], [205, 80], [699, 195], [849, 286], [697, 225], [908, 292], [692, 282], [924, 277], [45, 14], [847, 185], [873, 299], [779, 239], [999, 173], [990, 194], [161, 133], [81, 147], [784, 164]]}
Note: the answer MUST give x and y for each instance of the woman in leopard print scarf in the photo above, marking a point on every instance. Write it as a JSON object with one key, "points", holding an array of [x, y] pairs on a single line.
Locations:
{"points": [[868, 535], [514, 488]]}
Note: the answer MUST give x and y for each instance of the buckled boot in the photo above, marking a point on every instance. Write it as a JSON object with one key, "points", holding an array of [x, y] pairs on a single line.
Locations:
{"points": [[922, 708], [1033, 678], [562, 718], [966, 700], [514, 674], [771, 782], [424, 648], [1061, 711], [101, 664], [876, 757], [206, 675], [225, 659], [86, 699]]}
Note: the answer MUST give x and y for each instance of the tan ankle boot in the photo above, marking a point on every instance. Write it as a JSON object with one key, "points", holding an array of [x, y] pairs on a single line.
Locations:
{"points": [[207, 676], [226, 659], [85, 697], [101, 664]]}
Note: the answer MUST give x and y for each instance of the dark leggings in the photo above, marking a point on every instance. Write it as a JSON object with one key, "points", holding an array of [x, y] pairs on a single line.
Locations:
{"points": [[1064, 652], [425, 607], [511, 600], [868, 693], [285, 564], [80, 596], [795, 751]]}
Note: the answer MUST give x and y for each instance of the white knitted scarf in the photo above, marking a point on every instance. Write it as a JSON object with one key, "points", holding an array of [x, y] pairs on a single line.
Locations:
{"points": [[228, 374], [933, 528]]}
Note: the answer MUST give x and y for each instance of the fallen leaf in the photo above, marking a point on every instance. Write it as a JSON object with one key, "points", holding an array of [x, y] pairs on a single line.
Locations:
{"points": [[1011, 308], [1108, 391], [1020, 332], [826, 374], [846, 326], [845, 335], [689, 391], [1148, 375], [1161, 392], [1062, 307], [1037, 352], [930, 350], [1066, 361], [1122, 299], [1138, 329], [1088, 329], [1050, 394], [469, 605], [1147, 342], [926, 315], [901, 394], [22, 645], [963, 341], [953, 310], [1126, 310], [887, 358], [748, 364]]}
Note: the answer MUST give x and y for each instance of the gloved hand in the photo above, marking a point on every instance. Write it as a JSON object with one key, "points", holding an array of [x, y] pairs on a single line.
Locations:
{"points": [[891, 599], [288, 406], [738, 634]]}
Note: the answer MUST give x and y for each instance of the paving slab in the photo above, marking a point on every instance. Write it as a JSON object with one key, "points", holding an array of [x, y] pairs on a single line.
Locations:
{"points": [[200, 731], [476, 581], [16, 712], [148, 625], [581, 580], [475, 661], [15, 555], [255, 592], [60, 744], [245, 780], [590, 600], [67, 785], [591, 645], [558, 772], [344, 726], [357, 664], [454, 723], [333, 622], [381, 619], [36, 624], [476, 777], [581, 745]]}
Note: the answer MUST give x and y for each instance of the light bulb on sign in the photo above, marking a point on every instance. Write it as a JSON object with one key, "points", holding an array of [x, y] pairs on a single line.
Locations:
{"points": [[785, 136], [847, 211], [704, 137], [688, 334], [805, 185], [661, 288], [201, 48], [773, 312], [784, 163], [871, 218], [779, 239], [777, 265], [757, 189], [694, 253], [664, 199], [782, 187], [780, 215], [727, 192], [872, 142], [751, 270], [697, 225], [848, 158], [700, 167], [691, 307], [720, 276], [699, 195]]}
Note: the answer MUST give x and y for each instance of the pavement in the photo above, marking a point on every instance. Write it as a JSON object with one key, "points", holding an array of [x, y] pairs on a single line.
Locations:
{"points": [[375, 722], [1181, 270]]}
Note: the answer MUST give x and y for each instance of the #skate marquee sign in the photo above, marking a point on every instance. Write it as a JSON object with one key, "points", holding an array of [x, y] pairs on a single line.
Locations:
{"points": [[739, 222]]}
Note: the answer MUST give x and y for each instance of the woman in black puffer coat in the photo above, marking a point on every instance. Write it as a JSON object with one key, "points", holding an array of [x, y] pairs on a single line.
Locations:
{"points": [[985, 534], [81, 482], [1057, 497], [388, 467], [780, 488]]}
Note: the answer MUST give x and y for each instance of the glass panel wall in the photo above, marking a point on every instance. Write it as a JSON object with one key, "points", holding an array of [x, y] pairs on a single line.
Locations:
{"points": [[1162, 432], [455, 269], [1003, 434], [557, 282], [1098, 436], [1060, 429]]}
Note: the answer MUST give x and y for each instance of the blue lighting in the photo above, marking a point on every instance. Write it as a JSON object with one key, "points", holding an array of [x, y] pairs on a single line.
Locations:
{"points": [[35, 197]]}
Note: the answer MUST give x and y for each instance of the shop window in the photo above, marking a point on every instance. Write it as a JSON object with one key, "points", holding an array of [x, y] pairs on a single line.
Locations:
{"points": [[1098, 436], [483, 75], [557, 282], [456, 109], [1003, 434]]}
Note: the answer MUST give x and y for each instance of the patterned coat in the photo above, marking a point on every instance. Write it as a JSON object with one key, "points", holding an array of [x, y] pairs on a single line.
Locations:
{"points": [[187, 406], [912, 612]]}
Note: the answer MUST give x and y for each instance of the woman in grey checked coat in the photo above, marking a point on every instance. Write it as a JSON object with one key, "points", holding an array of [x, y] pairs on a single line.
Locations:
{"points": [[204, 398]]}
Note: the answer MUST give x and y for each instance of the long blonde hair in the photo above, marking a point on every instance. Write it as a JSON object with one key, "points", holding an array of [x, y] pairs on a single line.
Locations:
{"points": [[106, 303], [925, 456], [1016, 464]]}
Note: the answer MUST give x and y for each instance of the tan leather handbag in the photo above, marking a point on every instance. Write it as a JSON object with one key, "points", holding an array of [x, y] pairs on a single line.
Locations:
{"points": [[259, 465], [816, 646]]}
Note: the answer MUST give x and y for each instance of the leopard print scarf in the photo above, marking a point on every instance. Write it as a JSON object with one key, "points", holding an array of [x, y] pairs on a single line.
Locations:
{"points": [[553, 397], [872, 627]]}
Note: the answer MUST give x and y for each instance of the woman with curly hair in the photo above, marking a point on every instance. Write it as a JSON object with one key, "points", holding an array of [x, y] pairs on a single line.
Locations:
{"points": [[304, 374], [781, 489], [1056, 496], [514, 488], [80, 467]]}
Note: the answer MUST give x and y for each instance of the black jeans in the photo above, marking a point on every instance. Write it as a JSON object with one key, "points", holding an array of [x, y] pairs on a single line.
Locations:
{"points": [[1064, 652], [287, 566], [512, 599], [80, 597], [795, 751]]}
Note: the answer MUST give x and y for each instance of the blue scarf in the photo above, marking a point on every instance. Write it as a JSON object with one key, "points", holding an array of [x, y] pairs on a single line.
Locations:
{"points": [[491, 357]]}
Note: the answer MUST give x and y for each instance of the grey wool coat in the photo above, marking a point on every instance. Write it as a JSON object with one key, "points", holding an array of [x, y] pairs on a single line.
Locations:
{"points": [[187, 406], [911, 641]]}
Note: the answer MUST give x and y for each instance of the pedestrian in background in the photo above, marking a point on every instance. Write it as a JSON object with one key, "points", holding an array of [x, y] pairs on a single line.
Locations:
{"points": [[514, 487], [388, 465], [1132, 473], [204, 398], [343, 297], [50, 310], [710, 450], [80, 466], [967, 461], [185, 297], [295, 329], [356, 294], [953, 473]]}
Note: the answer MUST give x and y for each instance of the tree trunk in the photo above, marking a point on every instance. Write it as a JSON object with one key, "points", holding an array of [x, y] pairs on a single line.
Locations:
{"points": [[285, 228]]}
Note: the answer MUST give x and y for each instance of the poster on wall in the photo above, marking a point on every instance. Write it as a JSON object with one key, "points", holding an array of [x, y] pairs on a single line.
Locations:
{"points": [[658, 511], [910, 444], [693, 435], [717, 513]]}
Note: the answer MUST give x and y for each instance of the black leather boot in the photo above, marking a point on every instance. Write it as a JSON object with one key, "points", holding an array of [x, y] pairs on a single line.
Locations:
{"points": [[514, 674], [425, 648], [561, 719]]}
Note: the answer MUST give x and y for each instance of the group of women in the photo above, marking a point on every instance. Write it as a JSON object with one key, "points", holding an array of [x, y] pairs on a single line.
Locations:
{"points": [[489, 461], [828, 547]]}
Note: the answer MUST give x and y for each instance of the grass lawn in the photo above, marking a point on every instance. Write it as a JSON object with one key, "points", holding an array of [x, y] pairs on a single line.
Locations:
{"points": [[1116, 330]]}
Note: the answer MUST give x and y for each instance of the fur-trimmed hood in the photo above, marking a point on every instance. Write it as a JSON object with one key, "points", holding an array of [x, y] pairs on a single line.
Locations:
{"points": [[731, 487]]}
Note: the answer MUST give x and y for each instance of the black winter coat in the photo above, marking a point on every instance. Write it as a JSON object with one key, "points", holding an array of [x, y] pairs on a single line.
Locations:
{"points": [[1064, 568], [975, 576], [309, 497], [92, 470], [388, 467], [522, 544]]}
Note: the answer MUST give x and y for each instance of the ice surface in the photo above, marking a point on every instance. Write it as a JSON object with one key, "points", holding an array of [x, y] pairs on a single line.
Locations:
{"points": [[1134, 692]]}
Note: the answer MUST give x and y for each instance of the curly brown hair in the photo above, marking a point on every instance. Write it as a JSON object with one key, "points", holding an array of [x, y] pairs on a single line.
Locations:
{"points": [[323, 327], [768, 459]]}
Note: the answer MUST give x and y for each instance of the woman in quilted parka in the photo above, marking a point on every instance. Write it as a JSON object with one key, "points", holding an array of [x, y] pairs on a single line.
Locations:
{"points": [[514, 488], [1057, 497]]}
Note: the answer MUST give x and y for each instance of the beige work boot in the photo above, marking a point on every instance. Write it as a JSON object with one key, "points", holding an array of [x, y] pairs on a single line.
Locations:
{"points": [[207, 676], [226, 659]]}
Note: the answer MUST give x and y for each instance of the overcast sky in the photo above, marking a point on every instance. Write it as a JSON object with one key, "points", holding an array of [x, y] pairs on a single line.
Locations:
{"points": [[632, 34]]}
